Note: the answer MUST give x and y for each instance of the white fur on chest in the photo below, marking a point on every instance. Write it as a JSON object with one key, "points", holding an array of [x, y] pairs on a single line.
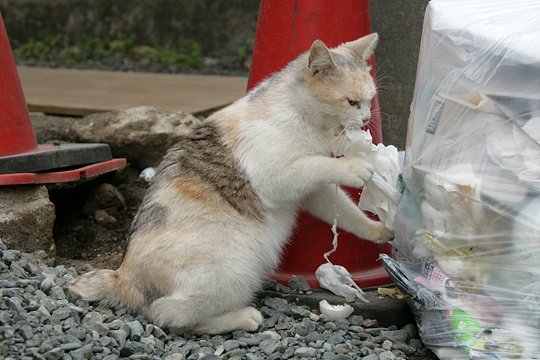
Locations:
{"points": [[270, 147]]}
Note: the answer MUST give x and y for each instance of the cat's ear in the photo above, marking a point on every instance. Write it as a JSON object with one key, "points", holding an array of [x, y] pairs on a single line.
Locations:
{"points": [[320, 60], [364, 47]]}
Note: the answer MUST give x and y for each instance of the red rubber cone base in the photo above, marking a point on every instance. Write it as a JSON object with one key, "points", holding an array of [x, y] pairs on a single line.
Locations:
{"points": [[22, 160], [79, 174]]}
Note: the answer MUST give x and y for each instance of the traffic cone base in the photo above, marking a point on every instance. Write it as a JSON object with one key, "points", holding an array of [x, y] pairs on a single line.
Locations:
{"points": [[19, 151], [49, 157]]}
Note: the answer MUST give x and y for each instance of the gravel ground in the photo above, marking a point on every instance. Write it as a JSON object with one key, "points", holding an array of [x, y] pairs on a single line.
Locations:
{"points": [[39, 321]]}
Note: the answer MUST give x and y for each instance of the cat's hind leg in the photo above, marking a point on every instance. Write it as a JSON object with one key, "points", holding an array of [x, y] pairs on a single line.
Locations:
{"points": [[198, 315]]}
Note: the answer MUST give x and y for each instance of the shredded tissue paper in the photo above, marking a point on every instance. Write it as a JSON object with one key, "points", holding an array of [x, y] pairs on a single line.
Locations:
{"points": [[380, 195], [467, 229]]}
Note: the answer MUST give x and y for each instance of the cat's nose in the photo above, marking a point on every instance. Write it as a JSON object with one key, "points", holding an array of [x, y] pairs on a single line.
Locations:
{"points": [[365, 119]]}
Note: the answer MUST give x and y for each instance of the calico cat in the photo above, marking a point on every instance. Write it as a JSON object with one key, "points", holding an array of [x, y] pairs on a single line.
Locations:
{"points": [[214, 222]]}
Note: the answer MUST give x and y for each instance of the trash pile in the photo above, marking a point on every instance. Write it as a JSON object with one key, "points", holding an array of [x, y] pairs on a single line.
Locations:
{"points": [[468, 226]]}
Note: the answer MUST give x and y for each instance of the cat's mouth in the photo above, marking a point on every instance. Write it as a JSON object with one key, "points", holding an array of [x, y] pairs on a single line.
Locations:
{"points": [[357, 125]]}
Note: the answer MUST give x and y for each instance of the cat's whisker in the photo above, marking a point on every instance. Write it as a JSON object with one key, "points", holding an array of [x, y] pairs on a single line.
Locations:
{"points": [[381, 78], [339, 136], [383, 84], [382, 81], [379, 112], [333, 129], [379, 71], [369, 126], [341, 140], [375, 114], [383, 88], [380, 65]]}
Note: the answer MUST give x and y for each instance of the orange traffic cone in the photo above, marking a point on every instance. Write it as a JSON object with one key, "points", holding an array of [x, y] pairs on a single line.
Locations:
{"points": [[284, 30], [22, 160]]}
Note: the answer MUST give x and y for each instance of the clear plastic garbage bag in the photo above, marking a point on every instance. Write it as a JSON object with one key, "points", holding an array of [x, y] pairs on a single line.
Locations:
{"points": [[467, 245]]}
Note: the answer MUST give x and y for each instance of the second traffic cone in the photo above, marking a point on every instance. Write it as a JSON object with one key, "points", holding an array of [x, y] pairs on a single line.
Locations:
{"points": [[285, 29], [22, 160]]}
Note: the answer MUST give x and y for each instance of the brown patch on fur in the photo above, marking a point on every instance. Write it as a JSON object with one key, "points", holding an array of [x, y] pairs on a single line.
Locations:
{"points": [[203, 155], [202, 168], [195, 190]]}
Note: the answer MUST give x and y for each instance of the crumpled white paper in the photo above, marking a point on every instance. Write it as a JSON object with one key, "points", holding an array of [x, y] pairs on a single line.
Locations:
{"points": [[335, 277], [452, 200], [516, 149], [381, 194], [339, 281]]}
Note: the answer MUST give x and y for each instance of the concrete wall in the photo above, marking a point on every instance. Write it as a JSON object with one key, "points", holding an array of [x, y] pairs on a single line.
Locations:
{"points": [[219, 26], [399, 24], [222, 27]]}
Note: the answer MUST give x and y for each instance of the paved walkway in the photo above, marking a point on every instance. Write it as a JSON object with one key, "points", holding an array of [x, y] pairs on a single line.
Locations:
{"points": [[80, 92]]}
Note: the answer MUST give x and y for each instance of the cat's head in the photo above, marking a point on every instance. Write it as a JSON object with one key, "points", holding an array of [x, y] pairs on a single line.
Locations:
{"points": [[339, 80]]}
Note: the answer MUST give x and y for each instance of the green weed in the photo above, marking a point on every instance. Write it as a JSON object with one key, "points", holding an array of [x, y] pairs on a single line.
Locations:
{"points": [[183, 53]]}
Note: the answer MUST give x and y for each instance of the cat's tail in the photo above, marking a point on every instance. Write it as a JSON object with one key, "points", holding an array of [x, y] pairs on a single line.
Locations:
{"points": [[107, 286]]}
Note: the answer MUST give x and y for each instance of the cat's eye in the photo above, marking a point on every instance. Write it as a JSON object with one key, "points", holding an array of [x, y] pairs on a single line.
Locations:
{"points": [[353, 102]]}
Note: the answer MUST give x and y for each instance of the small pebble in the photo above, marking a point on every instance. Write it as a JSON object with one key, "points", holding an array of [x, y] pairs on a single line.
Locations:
{"points": [[268, 346], [305, 352], [387, 345], [231, 345], [369, 323], [386, 355], [10, 256], [283, 289], [136, 330], [83, 353], [277, 304], [299, 283], [371, 357], [57, 293]]}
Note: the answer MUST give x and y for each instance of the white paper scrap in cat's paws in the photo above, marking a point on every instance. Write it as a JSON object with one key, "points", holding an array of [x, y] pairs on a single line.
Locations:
{"points": [[381, 194]]}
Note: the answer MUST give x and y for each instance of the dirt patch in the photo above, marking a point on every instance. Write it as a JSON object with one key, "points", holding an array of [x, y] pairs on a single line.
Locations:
{"points": [[93, 218]]}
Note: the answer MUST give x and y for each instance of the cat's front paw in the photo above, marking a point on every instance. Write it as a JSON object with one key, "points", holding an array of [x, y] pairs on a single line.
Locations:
{"points": [[359, 172], [379, 233]]}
